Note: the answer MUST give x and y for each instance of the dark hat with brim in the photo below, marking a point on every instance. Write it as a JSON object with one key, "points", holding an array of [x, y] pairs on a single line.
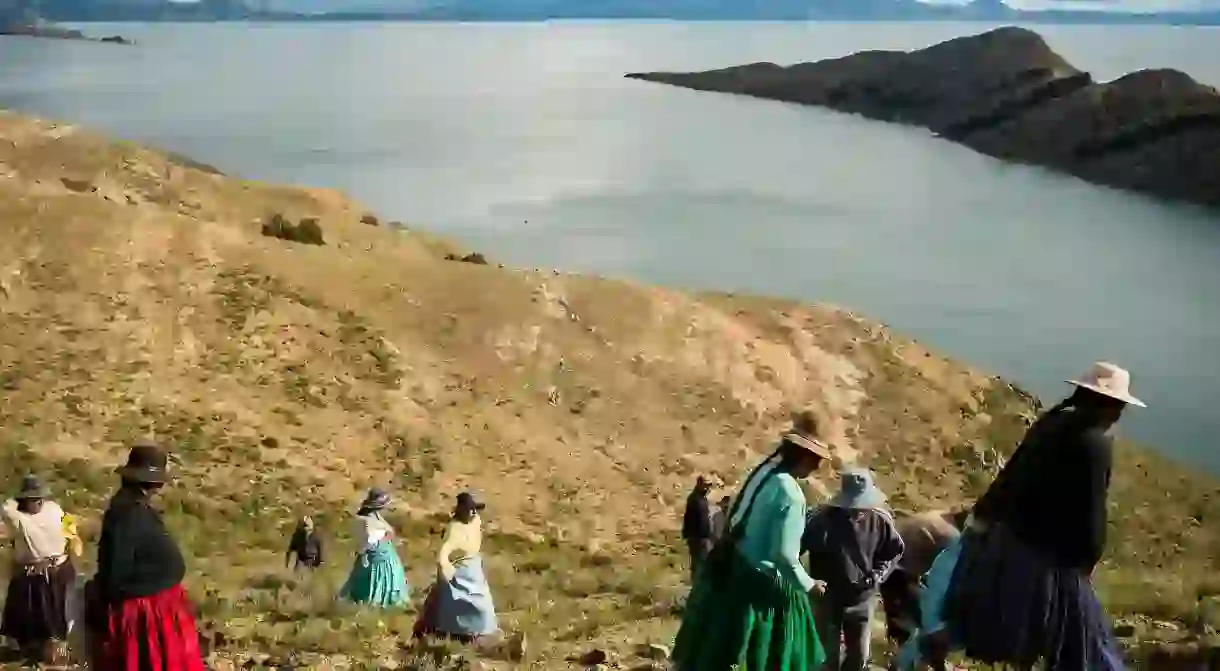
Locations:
{"points": [[32, 489], [147, 462], [806, 433], [467, 501], [377, 499]]}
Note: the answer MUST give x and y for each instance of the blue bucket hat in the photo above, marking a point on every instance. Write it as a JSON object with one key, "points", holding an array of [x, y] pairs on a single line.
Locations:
{"points": [[858, 491]]}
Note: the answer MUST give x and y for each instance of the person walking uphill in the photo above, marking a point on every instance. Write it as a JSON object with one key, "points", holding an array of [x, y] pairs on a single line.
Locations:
{"points": [[141, 617], [35, 610], [377, 578], [853, 546], [697, 524], [459, 605], [305, 548], [1022, 587], [749, 607]]}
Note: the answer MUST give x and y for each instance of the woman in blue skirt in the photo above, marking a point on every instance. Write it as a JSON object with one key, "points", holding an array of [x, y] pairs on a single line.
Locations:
{"points": [[1022, 588], [377, 578], [460, 606]]}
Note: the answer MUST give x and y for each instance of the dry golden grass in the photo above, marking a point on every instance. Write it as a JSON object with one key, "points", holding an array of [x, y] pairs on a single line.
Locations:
{"points": [[140, 299]]}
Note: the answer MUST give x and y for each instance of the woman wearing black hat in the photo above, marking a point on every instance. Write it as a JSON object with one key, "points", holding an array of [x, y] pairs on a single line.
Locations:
{"points": [[142, 615], [460, 604], [35, 610]]}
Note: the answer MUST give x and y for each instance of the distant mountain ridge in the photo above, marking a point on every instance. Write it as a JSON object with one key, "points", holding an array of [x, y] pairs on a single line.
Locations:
{"points": [[737, 10], [540, 10]]}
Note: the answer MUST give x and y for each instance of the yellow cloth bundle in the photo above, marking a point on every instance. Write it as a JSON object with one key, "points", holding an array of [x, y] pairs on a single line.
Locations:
{"points": [[75, 545]]}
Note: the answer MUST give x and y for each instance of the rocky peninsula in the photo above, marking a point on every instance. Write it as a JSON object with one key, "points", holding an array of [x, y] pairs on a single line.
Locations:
{"points": [[1007, 94], [57, 33]]}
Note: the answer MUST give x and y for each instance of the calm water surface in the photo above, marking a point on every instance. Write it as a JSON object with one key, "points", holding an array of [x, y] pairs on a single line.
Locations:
{"points": [[524, 140]]}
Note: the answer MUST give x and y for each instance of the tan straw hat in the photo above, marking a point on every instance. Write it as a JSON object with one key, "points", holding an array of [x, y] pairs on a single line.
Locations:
{"points": [[1109, 380], [806, 432]]}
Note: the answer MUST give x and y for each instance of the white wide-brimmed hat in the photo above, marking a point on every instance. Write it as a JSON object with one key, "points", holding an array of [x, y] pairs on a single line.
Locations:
{"points": [[1109, 380]]}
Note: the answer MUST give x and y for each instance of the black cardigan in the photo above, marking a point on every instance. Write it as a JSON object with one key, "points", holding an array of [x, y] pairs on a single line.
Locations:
{"points": [[136, 556], [1052, 492]]}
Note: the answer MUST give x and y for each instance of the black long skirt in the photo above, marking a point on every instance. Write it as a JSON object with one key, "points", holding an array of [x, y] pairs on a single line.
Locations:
{"points": [[1008, 603], [36, 608]]}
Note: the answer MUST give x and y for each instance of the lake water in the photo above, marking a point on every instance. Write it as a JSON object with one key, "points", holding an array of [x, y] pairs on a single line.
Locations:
{"points": [[524, 141]]}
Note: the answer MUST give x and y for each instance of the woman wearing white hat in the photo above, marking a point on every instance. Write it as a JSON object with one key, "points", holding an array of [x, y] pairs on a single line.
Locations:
{"points": [[749, 607], [1021, 590]]}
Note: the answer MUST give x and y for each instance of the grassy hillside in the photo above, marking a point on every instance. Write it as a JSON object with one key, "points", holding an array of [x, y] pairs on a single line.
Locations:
{"points": [[140, 298]]}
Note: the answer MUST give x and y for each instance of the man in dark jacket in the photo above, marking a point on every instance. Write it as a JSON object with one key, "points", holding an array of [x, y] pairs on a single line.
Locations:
{"points": [[853, 546], [697, 524]]}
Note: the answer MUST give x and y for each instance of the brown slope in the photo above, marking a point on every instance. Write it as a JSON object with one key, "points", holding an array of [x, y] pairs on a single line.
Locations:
{"points": [[139, 298], [1006, 93]]}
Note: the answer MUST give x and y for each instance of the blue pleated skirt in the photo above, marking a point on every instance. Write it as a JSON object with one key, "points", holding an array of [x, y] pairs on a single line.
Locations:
{"points": [[1009, 604], [464, 604]]}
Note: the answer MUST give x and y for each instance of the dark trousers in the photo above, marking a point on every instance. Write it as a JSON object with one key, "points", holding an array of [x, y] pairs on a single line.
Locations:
{"points": [[848, 625], [900, 599], [698, 549]]}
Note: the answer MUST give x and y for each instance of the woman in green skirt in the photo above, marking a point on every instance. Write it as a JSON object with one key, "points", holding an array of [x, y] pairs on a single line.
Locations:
{"points": [[749, 608]]}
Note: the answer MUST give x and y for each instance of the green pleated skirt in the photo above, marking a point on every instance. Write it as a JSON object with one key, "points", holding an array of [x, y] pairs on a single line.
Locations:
{"points": [[757, 620]]}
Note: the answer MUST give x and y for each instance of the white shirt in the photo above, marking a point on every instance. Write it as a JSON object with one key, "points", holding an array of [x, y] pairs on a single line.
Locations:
{"points": [[371, 529], [38, 536]]}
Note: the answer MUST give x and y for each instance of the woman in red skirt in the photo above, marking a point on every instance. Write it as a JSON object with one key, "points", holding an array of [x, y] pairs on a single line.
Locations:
{"points": [[142, 619]]}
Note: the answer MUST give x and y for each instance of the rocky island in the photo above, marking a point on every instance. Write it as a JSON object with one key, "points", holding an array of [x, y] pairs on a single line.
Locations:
{"points": [[1007, 94]]}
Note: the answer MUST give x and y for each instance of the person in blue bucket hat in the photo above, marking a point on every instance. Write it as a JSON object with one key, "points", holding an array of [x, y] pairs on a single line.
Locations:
{"points": [[853, 546]]}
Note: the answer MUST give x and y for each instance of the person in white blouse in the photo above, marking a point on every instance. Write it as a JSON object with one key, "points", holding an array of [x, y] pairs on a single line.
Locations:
{"points": [[36, 613], [460, 606], [378, 578]]}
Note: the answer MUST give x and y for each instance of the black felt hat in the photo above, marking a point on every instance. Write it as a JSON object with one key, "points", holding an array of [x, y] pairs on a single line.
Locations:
{"points": [[147, 462], [32, 489], [467, 501]]}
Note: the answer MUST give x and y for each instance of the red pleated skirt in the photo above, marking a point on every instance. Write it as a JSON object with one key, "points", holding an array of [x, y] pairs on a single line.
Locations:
{"points": [[151, 633]]}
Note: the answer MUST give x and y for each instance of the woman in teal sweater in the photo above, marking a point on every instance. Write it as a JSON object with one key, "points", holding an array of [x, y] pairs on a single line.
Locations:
{"points": [[750, 607]]}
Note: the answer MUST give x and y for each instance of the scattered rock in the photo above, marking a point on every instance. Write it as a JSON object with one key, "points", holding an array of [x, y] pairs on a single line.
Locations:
{"points": [[517, 647], [308, 232], [654, 651], [594, 657], [77, 185], [475, 258]]}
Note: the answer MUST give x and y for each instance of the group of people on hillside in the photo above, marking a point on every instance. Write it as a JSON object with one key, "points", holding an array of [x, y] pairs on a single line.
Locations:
{"points": [[135, 609], [1008, 581], [136, 613]]}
